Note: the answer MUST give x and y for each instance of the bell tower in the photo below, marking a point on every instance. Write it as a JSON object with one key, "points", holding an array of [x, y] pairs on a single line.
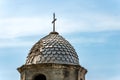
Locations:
{"points": [[52, 58]]}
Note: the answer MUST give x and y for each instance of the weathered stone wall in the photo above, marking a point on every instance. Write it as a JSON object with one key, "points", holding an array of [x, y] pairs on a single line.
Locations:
{"points": [[52, 71]]}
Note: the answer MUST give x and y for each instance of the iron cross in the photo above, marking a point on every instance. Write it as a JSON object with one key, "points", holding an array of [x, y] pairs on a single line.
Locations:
{"points": [[53, 22]]}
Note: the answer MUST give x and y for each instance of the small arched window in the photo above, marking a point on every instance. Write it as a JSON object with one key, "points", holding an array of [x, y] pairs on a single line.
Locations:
{"points": [[81, 79], [40, 77]]}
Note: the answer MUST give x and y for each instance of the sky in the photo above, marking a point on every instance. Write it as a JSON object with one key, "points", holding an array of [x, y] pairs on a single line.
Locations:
{"points": [[91, 26]]}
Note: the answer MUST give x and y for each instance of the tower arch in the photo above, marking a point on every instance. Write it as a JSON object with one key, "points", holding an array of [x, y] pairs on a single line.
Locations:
{"points": [[39, 77]]}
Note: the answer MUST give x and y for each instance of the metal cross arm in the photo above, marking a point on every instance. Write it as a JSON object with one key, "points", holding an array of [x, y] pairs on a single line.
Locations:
{"points": [[54, 19]]}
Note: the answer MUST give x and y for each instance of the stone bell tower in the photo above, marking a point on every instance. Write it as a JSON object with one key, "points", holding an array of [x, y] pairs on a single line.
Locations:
{"points": [[52, 58]]}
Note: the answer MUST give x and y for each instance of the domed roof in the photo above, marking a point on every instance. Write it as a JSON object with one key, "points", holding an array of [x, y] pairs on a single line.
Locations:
{"points": [[52, 48]]}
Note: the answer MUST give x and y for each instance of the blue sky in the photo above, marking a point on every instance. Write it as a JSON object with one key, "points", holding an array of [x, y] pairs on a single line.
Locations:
{"points": [[91, 26]]}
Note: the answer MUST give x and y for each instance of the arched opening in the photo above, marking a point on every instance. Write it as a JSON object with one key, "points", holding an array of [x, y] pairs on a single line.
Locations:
{"points": [[40, 77], [81, 79]]}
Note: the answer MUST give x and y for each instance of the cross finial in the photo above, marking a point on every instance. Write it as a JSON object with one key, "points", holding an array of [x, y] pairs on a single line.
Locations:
{"points": [[53, 22]]}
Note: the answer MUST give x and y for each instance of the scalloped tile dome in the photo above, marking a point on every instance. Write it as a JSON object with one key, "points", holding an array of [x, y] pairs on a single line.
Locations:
{"points": [[52, 48]]}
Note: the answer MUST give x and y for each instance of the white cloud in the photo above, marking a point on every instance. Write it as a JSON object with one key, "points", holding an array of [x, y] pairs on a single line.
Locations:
{"points": [[14, 43], [104, 78], [2, 2], [115, 78], [108, 78], [91, 23], [14, 27], [85, 40]]}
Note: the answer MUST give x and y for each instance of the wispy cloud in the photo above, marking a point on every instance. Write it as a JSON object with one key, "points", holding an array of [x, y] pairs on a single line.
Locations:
{"points": [[91, 23], [115, 78], [25, 18], [12, 27], [14, 43], [88, 41], [15, 27]]}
